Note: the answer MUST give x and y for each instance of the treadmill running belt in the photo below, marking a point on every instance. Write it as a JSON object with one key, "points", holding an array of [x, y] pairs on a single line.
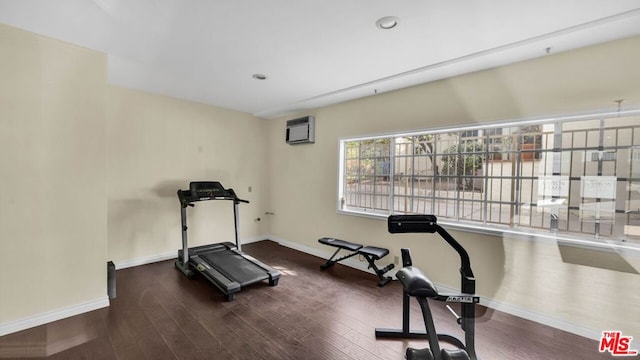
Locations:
{"points": [[235, 267]]}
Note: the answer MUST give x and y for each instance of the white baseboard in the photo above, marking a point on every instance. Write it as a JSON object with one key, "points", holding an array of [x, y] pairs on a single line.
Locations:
{"points": [[36, 320], [40, 319], [252, 239], [542, 319], [490, 303], [146, 260], [54, 315]]}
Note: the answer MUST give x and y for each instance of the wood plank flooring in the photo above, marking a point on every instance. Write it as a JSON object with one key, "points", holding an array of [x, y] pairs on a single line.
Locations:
{"points": [[311, 314]]}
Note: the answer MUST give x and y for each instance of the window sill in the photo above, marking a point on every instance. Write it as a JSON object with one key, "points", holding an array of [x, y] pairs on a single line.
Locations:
{"points": [[601, 244]]}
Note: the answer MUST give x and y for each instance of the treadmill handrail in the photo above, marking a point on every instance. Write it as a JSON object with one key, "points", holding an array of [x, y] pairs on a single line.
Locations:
{"points": [[187, 198]]}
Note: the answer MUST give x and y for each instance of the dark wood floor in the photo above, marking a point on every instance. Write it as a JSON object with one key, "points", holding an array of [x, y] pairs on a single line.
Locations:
{"points": [[160, 314]]}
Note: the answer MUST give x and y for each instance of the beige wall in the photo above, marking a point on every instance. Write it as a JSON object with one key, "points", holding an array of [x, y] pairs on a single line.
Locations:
{"points": [[53, 189], [523, 275], [89, 173], [157, 145]]}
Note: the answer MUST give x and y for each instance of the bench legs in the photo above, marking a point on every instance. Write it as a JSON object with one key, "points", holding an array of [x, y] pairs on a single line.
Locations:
{"points": [[332, 262], [369, 253], [379, 272]]}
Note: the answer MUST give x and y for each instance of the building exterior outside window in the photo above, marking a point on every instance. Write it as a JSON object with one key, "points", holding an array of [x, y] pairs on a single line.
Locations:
{"points": [[576, 176]]}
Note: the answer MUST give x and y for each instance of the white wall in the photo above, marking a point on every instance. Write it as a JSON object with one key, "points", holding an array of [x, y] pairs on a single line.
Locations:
{"points": [[53, 194], [522, 276]]}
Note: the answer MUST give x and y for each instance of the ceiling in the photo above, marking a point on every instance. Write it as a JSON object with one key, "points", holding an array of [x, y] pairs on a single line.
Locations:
{"points": [[313, 52]]}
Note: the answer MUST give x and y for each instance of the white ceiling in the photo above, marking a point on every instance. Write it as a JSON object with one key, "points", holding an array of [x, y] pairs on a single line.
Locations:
{"points": [[314, 52]]}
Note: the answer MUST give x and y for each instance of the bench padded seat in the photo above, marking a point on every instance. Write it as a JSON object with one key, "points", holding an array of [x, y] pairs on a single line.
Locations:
{"points": [[375, 252], [340, 244]]}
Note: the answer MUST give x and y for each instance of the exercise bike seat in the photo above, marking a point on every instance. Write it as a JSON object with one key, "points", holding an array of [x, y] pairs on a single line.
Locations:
{"points": [[416, 283]]}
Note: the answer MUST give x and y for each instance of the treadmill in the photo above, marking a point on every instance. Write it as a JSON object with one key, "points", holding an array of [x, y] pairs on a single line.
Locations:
{"points": [[223, 264]]}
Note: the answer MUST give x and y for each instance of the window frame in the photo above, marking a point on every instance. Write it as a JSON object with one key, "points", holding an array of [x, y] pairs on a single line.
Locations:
{"points": [[485, 227]]}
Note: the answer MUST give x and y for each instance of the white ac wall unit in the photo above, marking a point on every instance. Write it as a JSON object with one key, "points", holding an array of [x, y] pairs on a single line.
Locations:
{"points": [[301, 130]]}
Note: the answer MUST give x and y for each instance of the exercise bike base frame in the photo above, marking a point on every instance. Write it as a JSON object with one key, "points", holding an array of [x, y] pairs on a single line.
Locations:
{"points": [[407, 333]]}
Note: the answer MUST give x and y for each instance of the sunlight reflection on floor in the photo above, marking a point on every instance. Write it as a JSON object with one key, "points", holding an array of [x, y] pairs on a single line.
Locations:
{"points": [[285, 271]]}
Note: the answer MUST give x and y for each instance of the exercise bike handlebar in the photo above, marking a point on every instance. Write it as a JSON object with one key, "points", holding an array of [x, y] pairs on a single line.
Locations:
{"points": [[429, 224]]}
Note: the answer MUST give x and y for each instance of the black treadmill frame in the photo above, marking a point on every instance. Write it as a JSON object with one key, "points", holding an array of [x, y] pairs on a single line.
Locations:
{"points": [[190, 258]]}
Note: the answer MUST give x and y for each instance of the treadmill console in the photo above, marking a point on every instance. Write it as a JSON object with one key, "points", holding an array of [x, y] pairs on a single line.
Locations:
{"points": [[206, 190]]}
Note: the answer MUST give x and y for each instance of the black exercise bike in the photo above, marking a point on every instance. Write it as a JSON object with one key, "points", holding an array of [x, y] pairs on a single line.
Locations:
{"points": [[418, 285]]}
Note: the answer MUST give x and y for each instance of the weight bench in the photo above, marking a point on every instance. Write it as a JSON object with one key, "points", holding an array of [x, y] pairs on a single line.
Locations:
{"points": [[371, 253]]}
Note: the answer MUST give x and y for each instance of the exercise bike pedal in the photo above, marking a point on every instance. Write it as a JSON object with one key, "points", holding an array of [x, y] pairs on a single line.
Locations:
{"points": [[418, 354], [445, 354], [458, 317], [456, 354]]}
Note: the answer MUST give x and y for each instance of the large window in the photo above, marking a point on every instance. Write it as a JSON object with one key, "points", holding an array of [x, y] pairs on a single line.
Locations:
{"points": [[578, 176]]}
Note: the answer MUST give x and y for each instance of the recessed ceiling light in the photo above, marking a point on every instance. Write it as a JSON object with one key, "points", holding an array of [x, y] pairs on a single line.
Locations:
{"points": [[259, 76], [387, 22]]}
